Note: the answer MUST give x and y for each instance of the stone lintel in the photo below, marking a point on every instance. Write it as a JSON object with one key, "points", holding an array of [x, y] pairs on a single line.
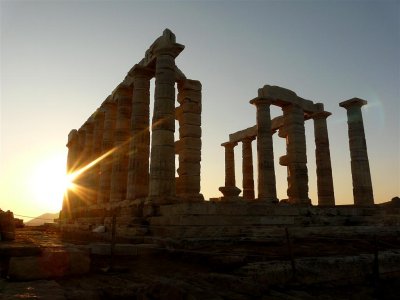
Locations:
{"points": [[277, 92], [353, 102], [251, 132], [307, 105], [238, 136], [281, 97]]}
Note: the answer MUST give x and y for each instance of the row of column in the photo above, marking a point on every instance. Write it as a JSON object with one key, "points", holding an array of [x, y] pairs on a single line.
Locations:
{"points": [[114, 144], [296, 159]]}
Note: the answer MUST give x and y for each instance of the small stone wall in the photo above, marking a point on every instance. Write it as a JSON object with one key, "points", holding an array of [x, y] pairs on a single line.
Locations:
{"points": [[7, 226]]}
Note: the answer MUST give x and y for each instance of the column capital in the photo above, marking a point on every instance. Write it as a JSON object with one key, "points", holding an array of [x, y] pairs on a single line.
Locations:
{"points": [[260, 101], [320, 115], [248, 139], [122, 91], [353, 102], [229, 144], [140, 71]]}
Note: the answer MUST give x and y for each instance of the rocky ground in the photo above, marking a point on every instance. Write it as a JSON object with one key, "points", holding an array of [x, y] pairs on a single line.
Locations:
{"points": [[220, 270]]}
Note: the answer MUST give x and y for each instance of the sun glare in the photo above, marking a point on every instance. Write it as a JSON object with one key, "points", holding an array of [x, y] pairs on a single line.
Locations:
{"points": [[49, 182]]}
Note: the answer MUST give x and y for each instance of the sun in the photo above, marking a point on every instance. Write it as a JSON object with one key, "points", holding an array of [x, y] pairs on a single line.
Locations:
{"points": [[49, 182]]}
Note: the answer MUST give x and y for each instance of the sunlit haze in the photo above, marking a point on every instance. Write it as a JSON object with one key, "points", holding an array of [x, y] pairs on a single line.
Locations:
{"points": [[61, 59]]}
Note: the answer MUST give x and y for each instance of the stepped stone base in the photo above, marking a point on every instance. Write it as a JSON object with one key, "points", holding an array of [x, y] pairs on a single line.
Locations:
{"points": [[239, 220]]}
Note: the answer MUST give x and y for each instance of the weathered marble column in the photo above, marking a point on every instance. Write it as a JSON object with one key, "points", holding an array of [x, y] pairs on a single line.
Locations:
{"points": [[162, 163], [265, 153], [119, 174], [139, 153], [73, 151], [110, 116], [87, 193], [189, 145], [229, 190], [81, 141], [247, 169], [362, 184], [70, 201], [79, 180], [296, 154], [97, 150], [326, 196]]}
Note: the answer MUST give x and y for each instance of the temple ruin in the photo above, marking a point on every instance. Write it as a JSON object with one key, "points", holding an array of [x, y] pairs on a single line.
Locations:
{"points": [[124, 165]]}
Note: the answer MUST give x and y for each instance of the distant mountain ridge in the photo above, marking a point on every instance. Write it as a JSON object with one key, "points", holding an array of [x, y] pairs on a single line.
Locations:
{"points": [[44, 218]]}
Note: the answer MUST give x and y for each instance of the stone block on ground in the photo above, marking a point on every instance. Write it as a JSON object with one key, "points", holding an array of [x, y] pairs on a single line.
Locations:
{"points": [[53, 263]]}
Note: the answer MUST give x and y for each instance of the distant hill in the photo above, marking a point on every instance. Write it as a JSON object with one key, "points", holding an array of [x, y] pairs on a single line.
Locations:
{"points": [[40, 220]]}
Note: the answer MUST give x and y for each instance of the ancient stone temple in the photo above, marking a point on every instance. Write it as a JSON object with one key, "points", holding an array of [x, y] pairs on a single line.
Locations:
{"points": [[123, 162], [115, 164], [289, 126]]}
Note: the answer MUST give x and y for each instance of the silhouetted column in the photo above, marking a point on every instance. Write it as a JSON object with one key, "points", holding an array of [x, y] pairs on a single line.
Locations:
{"points": [[139, 154], [296, 154], [110, 109], [326, 195], [230, 189], [70, 201], [119, 174], [97, 150], [80, 193], [265, 152], [189, 145], [247, 169], [162, 163], [81, 141], [362, 184], [73, 151], [86, 176]]}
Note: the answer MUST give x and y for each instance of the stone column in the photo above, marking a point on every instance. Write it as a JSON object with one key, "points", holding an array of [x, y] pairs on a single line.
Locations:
{"points": [[110, 116], [229, 190], [139, 153], [73, 151], [70, 201], [189, 145], [81, 141], [87, 194], [97, 150], [362, 184], [119, 174], [247, 169], [162, 163], [296, 154], [79, 180], [326, 196], [265, 152]]}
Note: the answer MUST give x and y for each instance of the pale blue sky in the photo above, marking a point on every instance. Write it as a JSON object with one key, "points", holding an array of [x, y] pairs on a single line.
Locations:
{"points": [[61, 59]]}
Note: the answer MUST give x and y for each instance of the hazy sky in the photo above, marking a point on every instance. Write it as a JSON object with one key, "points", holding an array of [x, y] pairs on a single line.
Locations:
{"points": [[61, 59]]}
